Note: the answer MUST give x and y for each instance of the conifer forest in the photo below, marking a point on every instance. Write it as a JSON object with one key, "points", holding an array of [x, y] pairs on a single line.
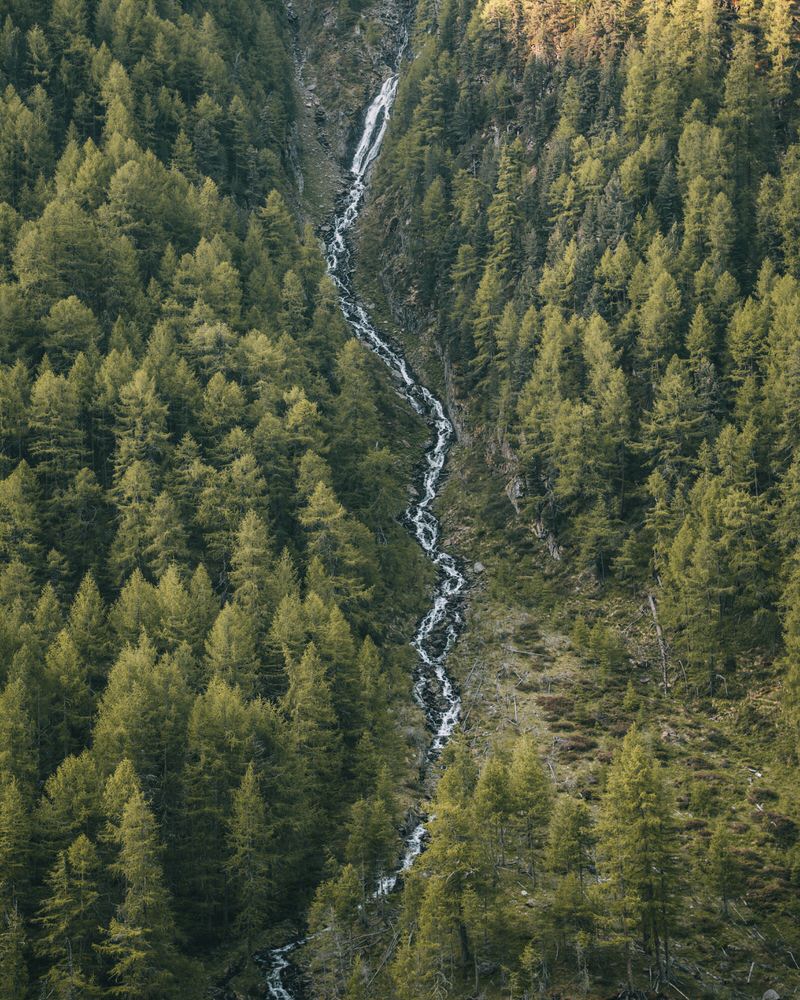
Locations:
{"points": [[399, 500]]}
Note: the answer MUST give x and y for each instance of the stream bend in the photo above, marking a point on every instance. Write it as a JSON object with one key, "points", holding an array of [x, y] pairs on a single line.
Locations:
{"points": [[438, 630]]}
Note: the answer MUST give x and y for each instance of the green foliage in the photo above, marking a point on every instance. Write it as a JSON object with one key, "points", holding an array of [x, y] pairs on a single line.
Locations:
{"points": [[69, 919], [140, 938], [202, 576], [186, 433], [252, 856], [635, 844], [644, 214]]}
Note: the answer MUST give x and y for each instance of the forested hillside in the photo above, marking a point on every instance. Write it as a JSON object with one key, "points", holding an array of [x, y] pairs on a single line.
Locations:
{"points": [[204, 591], [586, 219], [592, 208]]}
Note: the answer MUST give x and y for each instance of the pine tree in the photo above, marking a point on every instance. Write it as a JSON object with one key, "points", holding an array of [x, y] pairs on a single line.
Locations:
{"points": [[251, 860], [280, 235], [13, 958], [58, 440], [636, 847], [142, 717], [18, 759], [677, 423], [70, 697], [15, 832], [308, 703], [88, 628], [70, 804], [220, 745], [569, 840], [70, 327], [358, 984], [140, 939], [356, 420], [779, 26], [503, 214], [20, 517], [341, 544], [135, 611], [251, 570], [83, 511], [292, 313], [175, 611], [128, 550], [119, 788], [436, 949], [225, 500], [141, 424], [69, 918], [371, 840], [335, 910], [379, 744], [231, 649], [338, 653], [288, 633], [746, 122], [659, 322], [531, 798], [495, 804], [487, 312], [165, 540]]}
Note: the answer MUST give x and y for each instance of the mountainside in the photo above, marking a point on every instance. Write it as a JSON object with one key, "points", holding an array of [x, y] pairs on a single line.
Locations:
{"points": [[206, 594], [589, 211], [582, 228]]}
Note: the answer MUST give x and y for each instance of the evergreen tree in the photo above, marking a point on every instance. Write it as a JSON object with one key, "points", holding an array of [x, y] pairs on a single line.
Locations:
{"points": [[18, 759], [140, 939], [251, 570], [251, 859], [531, 797], [71, 327], [57, 441], [164, 536], [88, 628], [142, 717], [308, 703], [15, 831], [636, 848], [70, 697], [69, 917], [341, 544], [569, 839], [14, 978], [141, 424], [231, 648]]}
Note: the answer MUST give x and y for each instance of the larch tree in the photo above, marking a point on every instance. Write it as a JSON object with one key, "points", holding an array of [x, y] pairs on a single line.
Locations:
{"points": [[140, 941], [251, 858], [636, 847], [70, 917]]}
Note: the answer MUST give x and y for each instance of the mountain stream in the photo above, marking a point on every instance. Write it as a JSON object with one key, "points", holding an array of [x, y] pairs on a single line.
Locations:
{"points": [[438, 630]]}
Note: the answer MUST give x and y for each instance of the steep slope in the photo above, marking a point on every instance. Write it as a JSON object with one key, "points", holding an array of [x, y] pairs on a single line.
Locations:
{"points": [[206, 592], [590, 209]]}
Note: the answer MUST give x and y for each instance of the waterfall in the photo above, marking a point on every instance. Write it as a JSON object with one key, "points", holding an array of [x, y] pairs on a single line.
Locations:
{"points": [[439, 628]]}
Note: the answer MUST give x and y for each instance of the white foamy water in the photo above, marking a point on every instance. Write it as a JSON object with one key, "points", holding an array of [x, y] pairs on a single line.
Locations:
{"points": [[438, 630]]}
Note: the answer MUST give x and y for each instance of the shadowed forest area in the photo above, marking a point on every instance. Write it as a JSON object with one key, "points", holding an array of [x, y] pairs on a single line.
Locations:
{"points": [[584, 228]]}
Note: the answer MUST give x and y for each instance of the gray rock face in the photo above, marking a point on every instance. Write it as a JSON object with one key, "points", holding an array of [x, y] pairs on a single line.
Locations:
{"points": [[770, 995], [478, 567]]}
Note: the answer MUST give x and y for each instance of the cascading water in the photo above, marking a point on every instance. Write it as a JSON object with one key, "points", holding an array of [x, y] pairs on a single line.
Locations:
{"points": [[439, 629]]}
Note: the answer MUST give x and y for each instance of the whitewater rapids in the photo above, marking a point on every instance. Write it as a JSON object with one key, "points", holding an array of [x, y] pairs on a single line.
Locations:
{"points": [[440, 627]]}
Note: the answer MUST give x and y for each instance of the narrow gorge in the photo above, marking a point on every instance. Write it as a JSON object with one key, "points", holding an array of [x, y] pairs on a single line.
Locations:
{"points": [[439, 629]]}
